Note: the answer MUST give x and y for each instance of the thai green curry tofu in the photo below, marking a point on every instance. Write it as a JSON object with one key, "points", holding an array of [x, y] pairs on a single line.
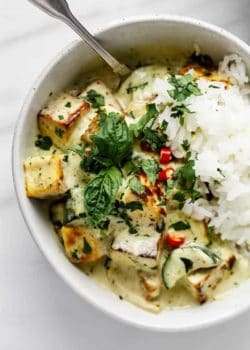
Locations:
{"points": [[148, 184]]}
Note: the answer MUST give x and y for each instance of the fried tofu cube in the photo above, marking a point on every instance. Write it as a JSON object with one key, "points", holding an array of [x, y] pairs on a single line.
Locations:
{"points": [[102, 89], [202, 283], [92, 129], [61, 118], [141, 251], [81, 245], [44, 176]]}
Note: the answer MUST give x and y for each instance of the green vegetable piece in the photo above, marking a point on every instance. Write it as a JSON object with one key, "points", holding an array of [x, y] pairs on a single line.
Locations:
{"points": [[185, 260], [99, 194], [154, 138], [43, 142], [134, 205], [95, 99]]}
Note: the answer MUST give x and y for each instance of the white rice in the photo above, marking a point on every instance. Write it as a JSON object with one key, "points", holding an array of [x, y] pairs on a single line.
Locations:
{"points": [[219, 135]]}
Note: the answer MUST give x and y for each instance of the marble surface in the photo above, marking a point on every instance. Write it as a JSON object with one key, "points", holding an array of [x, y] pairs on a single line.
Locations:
{"points": [[37, 310]]}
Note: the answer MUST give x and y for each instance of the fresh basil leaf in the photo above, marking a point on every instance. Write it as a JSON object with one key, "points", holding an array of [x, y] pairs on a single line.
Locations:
{"points": [[151, 113], [135, 185], [113, 142], [95, 99], [99, 194], [151, 168], [77, 149]]}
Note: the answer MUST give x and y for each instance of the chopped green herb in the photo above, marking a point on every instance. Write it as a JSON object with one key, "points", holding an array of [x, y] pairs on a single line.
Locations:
{"points": [[213, 86], [180, 225], [107, 262], [186, 174], [141, 86], [60, 117], [134, 205], [59, 132], [179, 111], [65, 158], [180, 197], [120, 297], [135, 185], [120, 210], [185, 145], [155, 139], [95, 99], [86, 247], [164, 125], [152, 113], [184, 87], [43, 142], [68, 104]]}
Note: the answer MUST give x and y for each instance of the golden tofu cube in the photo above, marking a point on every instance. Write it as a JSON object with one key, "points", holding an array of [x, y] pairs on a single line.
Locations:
{"points": [[61, 118], [81, 245], [44, 176]]}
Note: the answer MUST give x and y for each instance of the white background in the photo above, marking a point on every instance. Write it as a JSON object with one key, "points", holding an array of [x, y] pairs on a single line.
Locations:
{"points": [[37, 310]]}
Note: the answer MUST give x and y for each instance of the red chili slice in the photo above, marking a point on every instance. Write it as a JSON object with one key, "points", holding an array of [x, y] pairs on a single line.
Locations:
{"points": [[165, 155], [175, 241]]}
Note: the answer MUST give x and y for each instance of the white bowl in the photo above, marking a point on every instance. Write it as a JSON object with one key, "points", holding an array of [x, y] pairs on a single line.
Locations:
{"points": [[175, 32]]}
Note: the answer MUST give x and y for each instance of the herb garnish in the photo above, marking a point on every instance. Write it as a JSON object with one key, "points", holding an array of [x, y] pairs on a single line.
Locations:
{"points": [[113, 142], [155, 139], [185, 145], [59, 132], [43, 142], [95, 99], [86, 247], [151, 113], [99, 194], [180, 225], [68, 104], [184, 87], [179, 111], [120, 210]]}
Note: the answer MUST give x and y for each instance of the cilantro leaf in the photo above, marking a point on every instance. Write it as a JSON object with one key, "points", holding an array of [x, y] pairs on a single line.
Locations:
{"points": [[185, 145], [96, 100], [179, 111], [86, 247], [186, 174], [184, 87], [152, 113]]}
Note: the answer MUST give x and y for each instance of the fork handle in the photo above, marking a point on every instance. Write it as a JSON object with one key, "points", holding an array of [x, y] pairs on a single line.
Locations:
{"points": [[60, 10]]}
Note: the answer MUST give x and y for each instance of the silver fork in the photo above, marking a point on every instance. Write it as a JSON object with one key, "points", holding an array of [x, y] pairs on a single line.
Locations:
{"points": [[60, 10]]}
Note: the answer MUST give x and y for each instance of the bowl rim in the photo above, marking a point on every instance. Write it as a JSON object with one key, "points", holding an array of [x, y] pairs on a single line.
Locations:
{"points": [[15, 159]]}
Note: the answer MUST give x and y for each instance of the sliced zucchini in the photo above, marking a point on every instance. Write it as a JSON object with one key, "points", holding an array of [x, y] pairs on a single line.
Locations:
{"points": [[184, 260]]}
